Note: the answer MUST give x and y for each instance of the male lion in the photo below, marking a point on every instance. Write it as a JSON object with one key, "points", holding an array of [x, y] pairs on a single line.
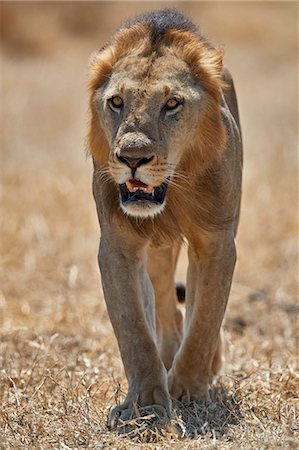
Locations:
{"points": [[165, 139]]}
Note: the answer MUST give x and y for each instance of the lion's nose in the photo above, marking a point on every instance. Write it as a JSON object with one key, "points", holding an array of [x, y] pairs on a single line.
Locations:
{"points": [[134, 163]]}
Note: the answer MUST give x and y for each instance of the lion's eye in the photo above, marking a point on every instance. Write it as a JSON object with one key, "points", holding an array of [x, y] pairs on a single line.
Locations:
{"points": [[116, 102], [172, 103]]}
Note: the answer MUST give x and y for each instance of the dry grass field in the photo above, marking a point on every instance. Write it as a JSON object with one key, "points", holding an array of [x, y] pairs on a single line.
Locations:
{"points": [[60, 370]]}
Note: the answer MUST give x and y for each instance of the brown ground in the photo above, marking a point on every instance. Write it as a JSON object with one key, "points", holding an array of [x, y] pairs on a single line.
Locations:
{"points": [[60, 367]]}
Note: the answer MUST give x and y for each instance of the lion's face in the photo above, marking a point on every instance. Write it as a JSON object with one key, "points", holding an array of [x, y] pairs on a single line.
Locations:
{"points": [[149, 109], [155, 113]]}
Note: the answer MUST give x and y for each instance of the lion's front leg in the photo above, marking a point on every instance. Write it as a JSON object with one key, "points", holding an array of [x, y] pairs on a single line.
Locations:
{"points": [[211, 265], [161, 267], [130, 302]]}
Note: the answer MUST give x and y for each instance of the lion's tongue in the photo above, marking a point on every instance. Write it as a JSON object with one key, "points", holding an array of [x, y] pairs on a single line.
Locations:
{"points": [[137, 185]]}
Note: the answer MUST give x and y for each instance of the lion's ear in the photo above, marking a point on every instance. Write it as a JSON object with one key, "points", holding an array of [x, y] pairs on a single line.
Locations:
{"points": [[210, 70], [212, 62], [100, 66]]}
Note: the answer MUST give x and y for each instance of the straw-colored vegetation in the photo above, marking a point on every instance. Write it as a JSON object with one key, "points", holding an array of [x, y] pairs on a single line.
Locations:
{"points": [[60, 367]]}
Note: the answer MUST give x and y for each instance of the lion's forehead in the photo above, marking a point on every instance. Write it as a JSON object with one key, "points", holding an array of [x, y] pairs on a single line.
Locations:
{"points": [[163, 75]]}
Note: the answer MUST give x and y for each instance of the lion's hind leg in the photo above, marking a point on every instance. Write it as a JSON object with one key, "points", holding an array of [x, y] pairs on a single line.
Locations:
{"points": [[161, 268], [218, 359]]}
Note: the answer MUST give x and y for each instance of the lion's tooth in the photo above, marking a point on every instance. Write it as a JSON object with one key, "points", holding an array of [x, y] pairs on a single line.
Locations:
{"points": [[146, 188], [129, 185]]}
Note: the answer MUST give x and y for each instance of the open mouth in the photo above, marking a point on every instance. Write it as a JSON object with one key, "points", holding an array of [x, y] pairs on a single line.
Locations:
{"points": [[133, 191]]}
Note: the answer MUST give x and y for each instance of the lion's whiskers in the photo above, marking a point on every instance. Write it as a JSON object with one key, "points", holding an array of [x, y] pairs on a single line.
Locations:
{"points": [[103, 175]]}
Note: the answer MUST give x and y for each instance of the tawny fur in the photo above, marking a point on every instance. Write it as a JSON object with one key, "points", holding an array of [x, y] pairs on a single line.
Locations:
{"points": [[203, 159]]}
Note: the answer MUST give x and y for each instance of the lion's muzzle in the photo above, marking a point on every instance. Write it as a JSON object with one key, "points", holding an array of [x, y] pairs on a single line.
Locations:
{"points": [[141, 195]]}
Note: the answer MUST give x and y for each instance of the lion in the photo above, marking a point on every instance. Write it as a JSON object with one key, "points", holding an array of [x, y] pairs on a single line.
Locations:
{"points": [[165, 139]]}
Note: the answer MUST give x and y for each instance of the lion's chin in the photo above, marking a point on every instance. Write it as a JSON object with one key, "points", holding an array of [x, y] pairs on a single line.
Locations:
{"points": [[140, 200]]}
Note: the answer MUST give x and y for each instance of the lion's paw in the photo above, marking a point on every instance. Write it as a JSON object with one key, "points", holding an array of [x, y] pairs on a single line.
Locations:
{"points": [[186, 389], [134, 419], [152, 410], [121, 415]]}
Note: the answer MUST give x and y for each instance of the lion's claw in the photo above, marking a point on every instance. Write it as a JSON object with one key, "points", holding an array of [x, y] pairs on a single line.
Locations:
{"points": [[125, 418], [113, 417]]}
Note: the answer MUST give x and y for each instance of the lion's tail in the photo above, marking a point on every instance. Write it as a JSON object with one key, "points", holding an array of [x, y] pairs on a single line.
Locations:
{"points": [[180, 292]]}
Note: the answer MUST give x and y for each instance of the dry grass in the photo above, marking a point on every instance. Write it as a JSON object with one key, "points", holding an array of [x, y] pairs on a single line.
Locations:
{"points": [[60, 367]]}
